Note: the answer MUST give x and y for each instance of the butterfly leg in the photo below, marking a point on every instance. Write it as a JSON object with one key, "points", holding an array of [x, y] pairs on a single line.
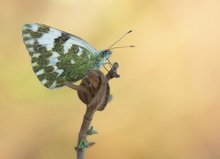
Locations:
{"points": [[110, 63]]}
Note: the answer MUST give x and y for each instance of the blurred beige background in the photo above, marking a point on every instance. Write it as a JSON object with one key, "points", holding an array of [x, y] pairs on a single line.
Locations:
{"points": [[166, 104]]}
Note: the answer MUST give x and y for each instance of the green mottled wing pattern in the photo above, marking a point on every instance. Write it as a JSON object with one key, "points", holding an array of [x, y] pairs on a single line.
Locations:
{"points": [[57, 56]]}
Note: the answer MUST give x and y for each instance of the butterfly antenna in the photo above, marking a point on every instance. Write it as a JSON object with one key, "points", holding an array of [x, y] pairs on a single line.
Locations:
{"points": [[105, 68], [121, 47], [120, 39], [109, 62]]}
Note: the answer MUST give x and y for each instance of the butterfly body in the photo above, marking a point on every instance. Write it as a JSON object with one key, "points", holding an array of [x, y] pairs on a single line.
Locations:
{"points": [[58, 56]]}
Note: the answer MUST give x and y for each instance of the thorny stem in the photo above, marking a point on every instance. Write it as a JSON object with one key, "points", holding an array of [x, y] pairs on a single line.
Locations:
{"points": [[94, 91]]}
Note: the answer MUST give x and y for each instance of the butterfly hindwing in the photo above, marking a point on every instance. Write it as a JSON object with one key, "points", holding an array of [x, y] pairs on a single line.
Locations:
{"points": [[57, 56]]}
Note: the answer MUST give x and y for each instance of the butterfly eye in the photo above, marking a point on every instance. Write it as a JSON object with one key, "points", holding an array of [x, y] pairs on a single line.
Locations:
{"points": [[107, 54]]}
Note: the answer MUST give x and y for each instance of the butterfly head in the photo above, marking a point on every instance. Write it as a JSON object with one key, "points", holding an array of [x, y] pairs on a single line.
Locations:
{"points": [[104, 56]]}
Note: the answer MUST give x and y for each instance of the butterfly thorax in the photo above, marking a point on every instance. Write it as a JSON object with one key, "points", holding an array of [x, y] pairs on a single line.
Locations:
{"points": [[103, 57]]}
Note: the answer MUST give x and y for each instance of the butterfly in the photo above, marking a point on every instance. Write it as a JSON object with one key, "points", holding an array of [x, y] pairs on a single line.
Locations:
{"points": [[58, 56]]}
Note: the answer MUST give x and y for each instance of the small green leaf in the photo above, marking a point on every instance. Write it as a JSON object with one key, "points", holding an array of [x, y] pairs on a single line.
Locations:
{"points": [[91, 131], [83, 144]]}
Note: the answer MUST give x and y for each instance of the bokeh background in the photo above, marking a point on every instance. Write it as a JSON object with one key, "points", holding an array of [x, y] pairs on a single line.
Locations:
{"points": [[166, 104]]}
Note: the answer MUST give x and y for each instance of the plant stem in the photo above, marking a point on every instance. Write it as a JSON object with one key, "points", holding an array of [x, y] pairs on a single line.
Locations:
{"points": [[94, 91], [87, 119]]}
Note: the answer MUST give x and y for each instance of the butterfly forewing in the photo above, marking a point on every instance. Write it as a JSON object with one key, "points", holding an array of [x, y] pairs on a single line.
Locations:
{"points": [[57, 56]]}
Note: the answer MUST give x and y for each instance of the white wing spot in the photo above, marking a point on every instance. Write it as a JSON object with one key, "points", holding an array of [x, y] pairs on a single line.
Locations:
{"points": [[59, 71], [67, 45], [72, 61], [31, 41], [34, 27], [74, 41], [80, 52], [40, 72], [48, 38], [36, 55], [55, 67], [34, 64], [26, 35], [55, 54], [49, 47], [53, 59], [44, 81], [84, 44], [53, 85], [31, 49]]}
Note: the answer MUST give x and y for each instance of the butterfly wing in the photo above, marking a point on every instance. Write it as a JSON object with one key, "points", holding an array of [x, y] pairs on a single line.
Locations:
{"points": [[57, 56]]}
